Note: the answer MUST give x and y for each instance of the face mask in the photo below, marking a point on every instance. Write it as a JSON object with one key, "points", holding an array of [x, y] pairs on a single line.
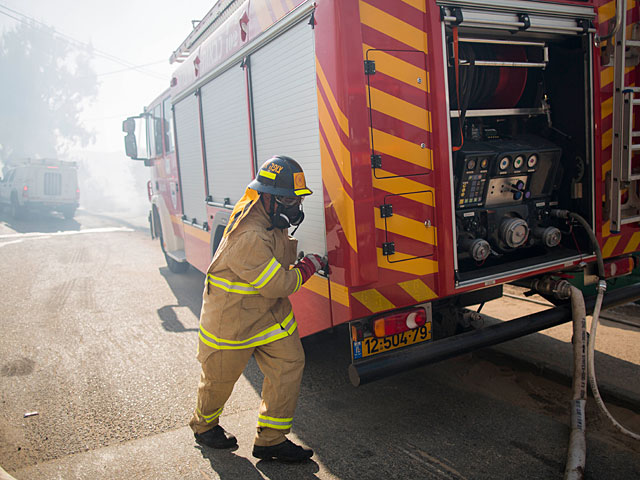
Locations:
{"points": [[285, 215]]}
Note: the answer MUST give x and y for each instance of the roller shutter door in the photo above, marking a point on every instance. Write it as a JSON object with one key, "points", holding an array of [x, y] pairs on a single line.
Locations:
{"points": [[190, 159], [226, 135], [283, 81]]}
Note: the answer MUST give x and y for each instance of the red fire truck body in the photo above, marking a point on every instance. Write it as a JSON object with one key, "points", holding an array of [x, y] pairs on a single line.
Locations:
{"points": [[440, 138]]}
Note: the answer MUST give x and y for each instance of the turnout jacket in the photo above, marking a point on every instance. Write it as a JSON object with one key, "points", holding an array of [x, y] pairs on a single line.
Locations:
{"points": [[245, 302]]}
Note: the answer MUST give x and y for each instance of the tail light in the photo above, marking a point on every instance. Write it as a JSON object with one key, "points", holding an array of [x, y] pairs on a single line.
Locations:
{"points": [[77, 194], [619, 267], [25, 191], [399, 322]]}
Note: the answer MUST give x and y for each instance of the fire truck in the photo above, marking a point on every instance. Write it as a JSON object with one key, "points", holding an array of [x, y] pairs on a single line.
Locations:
{"points": [[452, 146]]}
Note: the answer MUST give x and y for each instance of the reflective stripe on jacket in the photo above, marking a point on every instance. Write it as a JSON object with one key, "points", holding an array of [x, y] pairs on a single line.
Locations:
{"points": [[245, 300]]}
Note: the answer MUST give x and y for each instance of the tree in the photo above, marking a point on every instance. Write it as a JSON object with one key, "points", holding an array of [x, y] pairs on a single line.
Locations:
{"points": [[46, 81]]}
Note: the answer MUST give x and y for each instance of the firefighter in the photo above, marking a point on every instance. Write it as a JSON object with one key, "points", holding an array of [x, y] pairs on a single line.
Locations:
{"points": [[246, 311]]}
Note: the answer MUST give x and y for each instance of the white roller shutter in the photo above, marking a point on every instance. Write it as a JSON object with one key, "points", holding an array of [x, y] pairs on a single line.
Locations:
{"points": [[226, 135], [283, 82], [190, 159]]}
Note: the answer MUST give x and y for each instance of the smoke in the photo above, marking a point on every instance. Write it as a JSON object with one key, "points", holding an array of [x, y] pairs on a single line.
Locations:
{"points": [[110, 183]]}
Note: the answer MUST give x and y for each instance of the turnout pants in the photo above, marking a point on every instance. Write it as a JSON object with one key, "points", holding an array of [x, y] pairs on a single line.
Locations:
{"points": [[281, 362]]}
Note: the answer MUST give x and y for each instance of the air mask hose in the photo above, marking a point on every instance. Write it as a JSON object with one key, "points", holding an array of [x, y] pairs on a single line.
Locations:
{"points": [[602, 286]]}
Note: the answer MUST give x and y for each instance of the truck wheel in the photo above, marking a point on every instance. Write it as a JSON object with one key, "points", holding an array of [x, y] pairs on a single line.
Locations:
{"points": [[69, 212], [17, 211]]}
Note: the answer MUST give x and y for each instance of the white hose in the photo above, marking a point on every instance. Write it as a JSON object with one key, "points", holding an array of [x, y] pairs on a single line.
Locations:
{"points": [[577, 453], [592, 371]]}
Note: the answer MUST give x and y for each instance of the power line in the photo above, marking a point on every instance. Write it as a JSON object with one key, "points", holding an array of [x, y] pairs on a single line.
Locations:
{"points": [[77, 43]]}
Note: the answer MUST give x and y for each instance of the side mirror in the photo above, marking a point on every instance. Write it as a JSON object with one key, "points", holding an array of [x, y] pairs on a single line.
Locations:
{"points": [[134, 149], [131, 146]]}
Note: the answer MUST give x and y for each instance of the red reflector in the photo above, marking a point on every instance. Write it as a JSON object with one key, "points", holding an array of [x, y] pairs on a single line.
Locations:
{"points": [[25, 188], [399, 322], [53, 167], [619, 267]]}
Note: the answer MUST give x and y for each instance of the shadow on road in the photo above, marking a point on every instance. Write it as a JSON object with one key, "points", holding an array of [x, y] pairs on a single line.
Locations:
{"points": [[38, 222], [187, 288]]}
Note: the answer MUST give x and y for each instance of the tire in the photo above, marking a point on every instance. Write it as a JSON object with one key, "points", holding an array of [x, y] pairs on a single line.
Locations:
{"points": [[69, 212], [17, 212]]}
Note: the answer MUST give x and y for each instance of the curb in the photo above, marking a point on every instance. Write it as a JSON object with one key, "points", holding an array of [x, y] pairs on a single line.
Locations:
{"points": [[4, 475]]}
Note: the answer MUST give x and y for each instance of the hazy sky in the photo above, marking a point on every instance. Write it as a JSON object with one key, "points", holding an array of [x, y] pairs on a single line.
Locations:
{"points": [[139, 32]]}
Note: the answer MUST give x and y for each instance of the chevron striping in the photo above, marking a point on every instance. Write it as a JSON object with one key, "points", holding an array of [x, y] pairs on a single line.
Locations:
{"points": [[407, 264], [418, 290], [393, 27], [402, 149], [398, 68], [400, 109], [326, 88], [406, 227], [373, 300], [340, 151]]}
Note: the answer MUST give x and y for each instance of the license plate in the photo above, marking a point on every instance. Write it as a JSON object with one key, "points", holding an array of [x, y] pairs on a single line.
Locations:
{"points": [[373, 346]]}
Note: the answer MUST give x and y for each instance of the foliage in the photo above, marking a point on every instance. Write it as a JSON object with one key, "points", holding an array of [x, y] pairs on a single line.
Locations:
{"points": [[46, 81]]}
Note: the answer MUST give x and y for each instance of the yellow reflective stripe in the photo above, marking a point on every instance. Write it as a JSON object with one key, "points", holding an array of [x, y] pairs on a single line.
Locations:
{"points": [[274, 422], [270, 175], [271, 334], [232, 287], [267, 274], [302, 191], [299, 281], [212, 417]]}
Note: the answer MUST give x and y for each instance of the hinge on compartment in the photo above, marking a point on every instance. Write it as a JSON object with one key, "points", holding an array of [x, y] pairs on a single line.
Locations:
{"points": [[386, 210], [388, 248], [376, 161], [369, 67], [524, 18]]}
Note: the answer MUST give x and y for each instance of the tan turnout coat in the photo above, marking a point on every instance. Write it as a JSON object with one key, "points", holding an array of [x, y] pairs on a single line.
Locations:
{"points": [[245, 300]]}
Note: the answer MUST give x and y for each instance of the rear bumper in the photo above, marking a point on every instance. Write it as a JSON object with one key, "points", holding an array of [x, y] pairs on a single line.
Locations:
{"points": [[49, 205], [393, 362]]}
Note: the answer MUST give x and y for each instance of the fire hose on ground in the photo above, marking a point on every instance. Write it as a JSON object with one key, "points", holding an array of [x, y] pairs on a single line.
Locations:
{"points": [[584, 364]]}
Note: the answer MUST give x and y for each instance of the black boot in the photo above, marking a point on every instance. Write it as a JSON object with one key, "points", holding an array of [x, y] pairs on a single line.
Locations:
{"points": [[286, 451], [216, 438]]}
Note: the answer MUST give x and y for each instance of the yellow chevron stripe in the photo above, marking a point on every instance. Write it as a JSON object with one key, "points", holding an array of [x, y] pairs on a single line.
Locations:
{"points": [[407, 227], [606, 12], [606, 138], [400, 148], [610, 246], [197, 233], [606, 168], [340, 293], [606, 227], [419, 4], [340, 200], [342, 119], [399, 69], [400, 109], [606, 108], [340, 151], [418, 290], [393, 27], [373, 300], [606, 76], [317, 285], [400, 185], [414, 266], [632, 246]]}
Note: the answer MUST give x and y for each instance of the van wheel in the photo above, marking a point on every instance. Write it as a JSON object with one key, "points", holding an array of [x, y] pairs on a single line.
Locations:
{"points": [[17, 211], [69, 212]]}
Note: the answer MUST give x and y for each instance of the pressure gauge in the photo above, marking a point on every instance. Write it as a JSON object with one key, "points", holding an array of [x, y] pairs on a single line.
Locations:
{"points": [[484, 163], [518, 162], [471, 164], [532, 162], [504, 163]]}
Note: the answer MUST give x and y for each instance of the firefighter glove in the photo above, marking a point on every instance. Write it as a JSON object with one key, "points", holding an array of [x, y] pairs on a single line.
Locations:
{"points": [[309, 265]]}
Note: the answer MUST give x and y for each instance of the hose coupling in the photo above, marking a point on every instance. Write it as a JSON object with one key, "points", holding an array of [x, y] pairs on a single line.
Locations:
{"points": [[602, 286], [560, 289], [558, 213]]}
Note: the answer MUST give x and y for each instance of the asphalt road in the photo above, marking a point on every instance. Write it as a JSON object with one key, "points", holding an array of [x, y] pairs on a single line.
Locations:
{"points": [[98, 344]]}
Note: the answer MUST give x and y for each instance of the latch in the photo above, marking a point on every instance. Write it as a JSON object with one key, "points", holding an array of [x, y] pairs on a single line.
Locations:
{"points": [[369, 67], [388, 248], [386, 210], [376, 161]]}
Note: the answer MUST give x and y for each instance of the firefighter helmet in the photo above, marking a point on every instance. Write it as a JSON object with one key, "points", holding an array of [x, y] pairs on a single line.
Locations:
{"points": [[281, 176]]}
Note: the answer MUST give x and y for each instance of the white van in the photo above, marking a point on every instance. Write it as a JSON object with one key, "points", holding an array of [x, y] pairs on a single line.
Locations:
{"points": [[40, 184]]}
